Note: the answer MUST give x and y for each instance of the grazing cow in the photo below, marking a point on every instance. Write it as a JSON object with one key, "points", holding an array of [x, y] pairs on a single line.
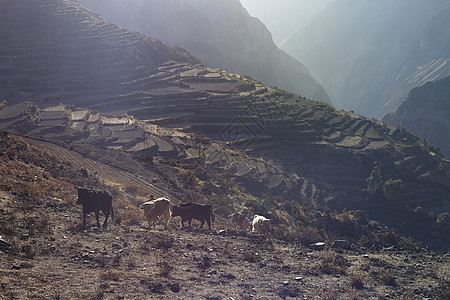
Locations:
{"points": [[189, 211], [261, 224], [155, 209], [95, 201], [238, 220]]}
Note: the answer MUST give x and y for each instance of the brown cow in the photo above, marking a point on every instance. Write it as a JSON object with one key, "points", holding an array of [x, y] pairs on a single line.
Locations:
{"points": [[155, 209], [189, 211]]}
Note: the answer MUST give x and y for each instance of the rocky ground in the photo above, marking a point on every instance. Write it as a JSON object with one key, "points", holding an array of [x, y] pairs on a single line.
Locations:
{"points": [[47, 255]]}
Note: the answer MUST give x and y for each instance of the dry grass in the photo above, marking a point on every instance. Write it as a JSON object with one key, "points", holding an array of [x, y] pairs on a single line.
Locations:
{"points": [[251, 257], [332, 263], [131, 216], [111, 275], [357, 281], [164, 268], [388, 278]]}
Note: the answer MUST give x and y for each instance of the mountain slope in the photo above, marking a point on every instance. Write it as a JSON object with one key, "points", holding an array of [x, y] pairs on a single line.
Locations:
{"points": [[46, 254], [426, 111], [220, 33], [366, 53], [278, 153], [97, 56]]}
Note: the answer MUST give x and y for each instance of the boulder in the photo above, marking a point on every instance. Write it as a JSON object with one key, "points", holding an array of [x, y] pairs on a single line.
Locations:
{"points": [[343, 244]]}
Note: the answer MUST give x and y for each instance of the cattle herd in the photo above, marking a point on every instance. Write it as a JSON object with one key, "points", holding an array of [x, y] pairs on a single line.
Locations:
{"points": [[161, 210]]}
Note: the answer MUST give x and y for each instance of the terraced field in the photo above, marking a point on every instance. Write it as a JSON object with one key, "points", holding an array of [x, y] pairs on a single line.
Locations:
{"points": [[107, 173]]}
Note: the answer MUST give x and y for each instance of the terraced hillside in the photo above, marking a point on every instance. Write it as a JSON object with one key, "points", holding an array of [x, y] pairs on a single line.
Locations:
{"points": [[137, 97], [221, 33], [426, 111]]}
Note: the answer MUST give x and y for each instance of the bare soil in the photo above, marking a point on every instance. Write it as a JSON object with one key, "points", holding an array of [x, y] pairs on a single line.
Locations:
{"points": [[52, 257]]}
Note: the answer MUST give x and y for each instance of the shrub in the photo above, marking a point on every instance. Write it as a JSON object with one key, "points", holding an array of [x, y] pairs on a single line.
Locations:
{"points": [[388, 278], [131, 216], [374, 181], [357, 281], [332, 263], [164, 268], [111, 275], [250, 257], [392, 188]]}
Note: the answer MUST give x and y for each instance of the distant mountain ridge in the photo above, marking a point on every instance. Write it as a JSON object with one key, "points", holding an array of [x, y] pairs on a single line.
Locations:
{"points": [[220, 33], [426, 111], [369, 54]]}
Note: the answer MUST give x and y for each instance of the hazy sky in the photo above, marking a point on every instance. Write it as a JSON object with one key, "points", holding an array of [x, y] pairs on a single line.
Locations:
{"points": [[284, 17]]}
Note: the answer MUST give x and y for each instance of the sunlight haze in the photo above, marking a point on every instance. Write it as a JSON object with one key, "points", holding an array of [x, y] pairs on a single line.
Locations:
{"points": [[283, 18]]}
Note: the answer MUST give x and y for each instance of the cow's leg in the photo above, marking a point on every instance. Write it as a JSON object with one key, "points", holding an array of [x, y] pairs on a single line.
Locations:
{"points": [[84, 219], [202, 222], [167, 222], [209, 223], [105, 224], [97, 217]]}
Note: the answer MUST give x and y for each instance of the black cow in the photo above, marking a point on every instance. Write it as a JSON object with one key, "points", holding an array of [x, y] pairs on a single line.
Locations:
{"points": [[189, 211], [94, 201]]}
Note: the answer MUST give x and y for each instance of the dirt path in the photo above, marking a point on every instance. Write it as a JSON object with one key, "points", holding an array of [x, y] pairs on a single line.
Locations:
{"points": [[106, 172]]}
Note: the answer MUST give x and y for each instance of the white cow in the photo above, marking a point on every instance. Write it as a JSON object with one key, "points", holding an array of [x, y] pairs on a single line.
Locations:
{"points": [[261, 224]]}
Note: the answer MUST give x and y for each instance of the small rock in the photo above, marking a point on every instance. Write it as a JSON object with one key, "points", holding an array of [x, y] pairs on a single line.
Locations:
{"points": [[26, 249], [15, 267], [353, 246], [286, 282], [4, 245], [24, 237], [222, 232], [318, 246], [343, 244], [115, 245], [26, 265], [298, 278], [167, 244], [175, 287]]}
